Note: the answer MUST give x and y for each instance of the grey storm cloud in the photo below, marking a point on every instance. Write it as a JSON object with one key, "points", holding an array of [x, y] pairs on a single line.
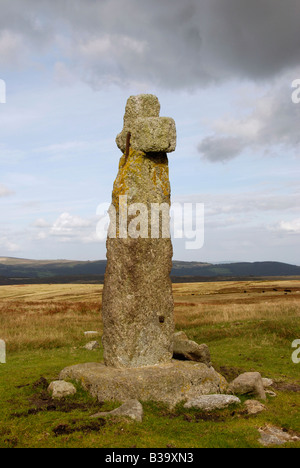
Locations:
{"points": [[217, 149], [272, 123], [168, 43]]}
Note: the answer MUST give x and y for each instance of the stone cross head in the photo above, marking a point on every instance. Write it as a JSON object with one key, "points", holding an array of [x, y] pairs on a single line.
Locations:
{"points": [[147, 131]]}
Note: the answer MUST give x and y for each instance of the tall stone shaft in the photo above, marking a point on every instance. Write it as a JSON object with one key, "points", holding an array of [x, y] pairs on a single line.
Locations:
{"points": [[138, 303]]}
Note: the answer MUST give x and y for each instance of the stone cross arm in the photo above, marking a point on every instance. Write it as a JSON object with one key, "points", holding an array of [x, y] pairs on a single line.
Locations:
{"points": [[149, 133]]}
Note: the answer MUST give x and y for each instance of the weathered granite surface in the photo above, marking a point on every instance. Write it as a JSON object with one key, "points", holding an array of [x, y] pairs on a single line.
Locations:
{"points": [[254, 407], [187, 349], [60, 389], [149, 132], [212, 402], [137, 306], [168, 383], [248, 383], [271, 435], [130, 409]]}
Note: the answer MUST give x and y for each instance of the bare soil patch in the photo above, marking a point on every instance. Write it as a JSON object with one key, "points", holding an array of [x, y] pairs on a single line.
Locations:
{"points": [[286, 387], [41, 401]]}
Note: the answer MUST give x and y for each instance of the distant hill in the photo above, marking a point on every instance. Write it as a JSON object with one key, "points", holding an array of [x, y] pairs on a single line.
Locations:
{"points": [[235, 269], [21, 271], [44, 271]]}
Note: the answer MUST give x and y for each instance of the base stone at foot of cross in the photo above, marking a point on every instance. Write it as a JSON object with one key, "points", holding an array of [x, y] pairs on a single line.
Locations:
{"points": [[167, 383]]}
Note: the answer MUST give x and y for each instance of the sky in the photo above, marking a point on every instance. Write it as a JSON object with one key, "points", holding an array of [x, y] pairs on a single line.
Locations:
{"points": [[225, 70]]}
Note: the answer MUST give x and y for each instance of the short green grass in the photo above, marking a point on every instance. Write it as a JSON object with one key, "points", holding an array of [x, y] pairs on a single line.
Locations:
{"points": [[240, 344]]}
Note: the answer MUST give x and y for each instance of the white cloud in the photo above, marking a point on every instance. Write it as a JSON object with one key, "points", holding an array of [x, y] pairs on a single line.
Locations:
{"points": [[92, 238], [41, 235], [8, 245], [110, 44], [254, 203], [68, 225], [4, 191], [67, 149], [41, 223], [68, 228], [64, 147], [290, 226]]}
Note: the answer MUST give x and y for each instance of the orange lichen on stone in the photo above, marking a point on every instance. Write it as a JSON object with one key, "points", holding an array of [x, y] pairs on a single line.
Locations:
{"points": [[142, 178]]}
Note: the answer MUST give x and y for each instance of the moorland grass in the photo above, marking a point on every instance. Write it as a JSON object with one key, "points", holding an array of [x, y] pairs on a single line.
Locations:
{"points": [[43, 327]]}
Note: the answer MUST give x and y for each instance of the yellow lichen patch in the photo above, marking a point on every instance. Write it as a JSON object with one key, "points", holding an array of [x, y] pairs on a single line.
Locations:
{"points": [[160, 177], [142, 178], [136, 173], [121, 186]]}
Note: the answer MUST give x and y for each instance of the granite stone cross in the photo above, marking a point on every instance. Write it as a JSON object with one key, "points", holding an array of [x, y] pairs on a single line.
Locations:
{"points": [[137, 308], [137, 296]]}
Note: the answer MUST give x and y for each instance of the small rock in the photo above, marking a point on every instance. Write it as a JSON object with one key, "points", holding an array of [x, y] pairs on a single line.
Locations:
{"points": [[92, 346], [267, 383], [254, 407], [212, 402], [91, 333], [180, 336], [60, 389], [186, 349], [270, 393], [271, 435], [130, 409], [248, 383]]}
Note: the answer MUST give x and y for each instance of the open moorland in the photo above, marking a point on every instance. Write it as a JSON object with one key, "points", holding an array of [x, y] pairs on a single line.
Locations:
{"points": [[248, 326]]}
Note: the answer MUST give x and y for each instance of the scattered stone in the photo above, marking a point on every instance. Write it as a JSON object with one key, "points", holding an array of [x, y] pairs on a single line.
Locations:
{"points": [[267, 383], [212, 402], [91, 333], [180, 336], [190, 350], [271, 435], [168, 383], [92, 346], [248, 383], [254, 407], [60, 389], [270, 393], [130, 409]]}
